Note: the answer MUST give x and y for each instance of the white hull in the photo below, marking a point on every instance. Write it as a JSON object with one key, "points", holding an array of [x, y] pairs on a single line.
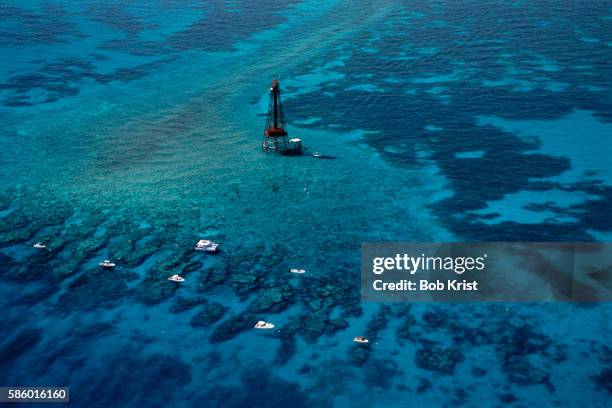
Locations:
{"points": [[263, 325]]}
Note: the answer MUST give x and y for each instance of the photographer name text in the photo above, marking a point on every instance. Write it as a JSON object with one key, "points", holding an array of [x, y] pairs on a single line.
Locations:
{"points": [[426, 285]]}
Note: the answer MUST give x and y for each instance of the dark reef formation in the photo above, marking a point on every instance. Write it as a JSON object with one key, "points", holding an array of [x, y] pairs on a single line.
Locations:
{"points": [[232, 326], [604, 379], [19, 343], [434, 357], [210, 313], [267, 390], [96, 288]]}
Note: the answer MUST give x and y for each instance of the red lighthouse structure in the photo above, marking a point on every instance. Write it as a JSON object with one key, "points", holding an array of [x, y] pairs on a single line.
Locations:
{"points": [[275, 133]]}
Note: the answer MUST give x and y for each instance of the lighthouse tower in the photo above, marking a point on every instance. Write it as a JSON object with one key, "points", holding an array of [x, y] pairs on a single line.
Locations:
{"points": [[275, 133]]}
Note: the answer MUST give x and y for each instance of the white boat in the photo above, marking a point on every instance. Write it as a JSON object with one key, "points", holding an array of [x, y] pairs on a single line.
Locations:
{"points": [[39, 245], [294, 270], [361, 340], [206, 245], [263, 325], [176, 278], [212, 247], [318, 155], [107, 264]]}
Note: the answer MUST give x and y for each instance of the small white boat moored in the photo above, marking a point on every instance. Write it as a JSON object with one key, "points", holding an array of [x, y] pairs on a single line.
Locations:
{"points": [[318, 155], [263, 325], [295, 270], [107, 264], [360, 339], [176, 278], [206, 245], [39, 245]]}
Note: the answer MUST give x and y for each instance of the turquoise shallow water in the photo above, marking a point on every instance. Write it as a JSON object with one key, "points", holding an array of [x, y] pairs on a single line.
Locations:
{"points": [[130, 130]]}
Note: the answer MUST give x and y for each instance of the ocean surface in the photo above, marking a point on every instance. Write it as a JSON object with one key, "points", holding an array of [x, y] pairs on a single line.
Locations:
{"points": [[131, 129]]}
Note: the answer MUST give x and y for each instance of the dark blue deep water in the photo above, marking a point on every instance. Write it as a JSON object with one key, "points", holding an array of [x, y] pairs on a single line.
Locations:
{"points": [[130, 129]]}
